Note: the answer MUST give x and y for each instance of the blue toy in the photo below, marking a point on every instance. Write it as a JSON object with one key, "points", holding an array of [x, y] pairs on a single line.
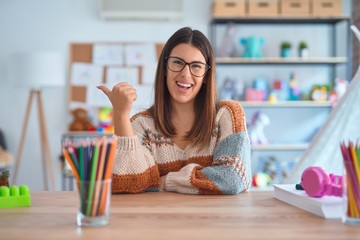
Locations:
{"points": [[252, 46]]}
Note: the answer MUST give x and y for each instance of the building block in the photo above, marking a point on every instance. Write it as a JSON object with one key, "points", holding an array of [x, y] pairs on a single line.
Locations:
{"points": [[14, 196]]}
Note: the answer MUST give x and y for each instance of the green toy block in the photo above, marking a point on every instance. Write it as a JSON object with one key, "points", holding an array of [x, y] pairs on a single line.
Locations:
{"points": [[15, 196]]}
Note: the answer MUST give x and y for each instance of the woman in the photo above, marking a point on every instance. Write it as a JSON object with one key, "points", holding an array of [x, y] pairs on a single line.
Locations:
{"points": [[187, 142]]}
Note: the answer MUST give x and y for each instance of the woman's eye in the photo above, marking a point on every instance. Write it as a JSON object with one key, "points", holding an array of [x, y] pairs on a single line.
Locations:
{"points": [[178, 62], [196, 66]]}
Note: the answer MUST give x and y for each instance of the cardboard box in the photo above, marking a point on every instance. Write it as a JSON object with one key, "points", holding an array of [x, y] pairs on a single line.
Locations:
{"points": [[295, 8], [263, 8], [229, 8], [327, 8]]}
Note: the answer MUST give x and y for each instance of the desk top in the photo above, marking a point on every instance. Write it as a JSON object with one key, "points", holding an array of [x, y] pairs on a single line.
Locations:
{"points": [[250, 215]]}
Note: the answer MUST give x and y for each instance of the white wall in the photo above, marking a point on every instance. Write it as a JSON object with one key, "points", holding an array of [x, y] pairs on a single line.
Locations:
{"points": [[44, 25]]}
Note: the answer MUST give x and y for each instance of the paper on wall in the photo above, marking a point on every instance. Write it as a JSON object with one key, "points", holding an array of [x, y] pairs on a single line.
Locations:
{"points": [[148, 74], [108, 54], [140, 54], [115, 75], [85, 74]]}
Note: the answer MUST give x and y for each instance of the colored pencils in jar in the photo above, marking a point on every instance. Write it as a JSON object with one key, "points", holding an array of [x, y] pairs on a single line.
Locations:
{"points": [[351, 157], [91, 163]]}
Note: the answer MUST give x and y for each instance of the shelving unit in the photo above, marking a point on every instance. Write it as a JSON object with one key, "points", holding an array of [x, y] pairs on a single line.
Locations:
{"points": [[286, 104], [278, 60], [332, 60]]}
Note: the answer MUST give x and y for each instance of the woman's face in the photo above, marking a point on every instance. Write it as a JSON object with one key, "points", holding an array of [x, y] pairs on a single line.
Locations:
{"points": [[183, 85]]}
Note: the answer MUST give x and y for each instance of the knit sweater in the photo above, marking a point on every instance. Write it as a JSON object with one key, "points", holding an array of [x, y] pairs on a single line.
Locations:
{"points": [[222, 167]]}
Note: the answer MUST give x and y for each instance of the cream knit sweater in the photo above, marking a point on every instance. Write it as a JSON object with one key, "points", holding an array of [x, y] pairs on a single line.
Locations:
{"points": [[223, 167]]}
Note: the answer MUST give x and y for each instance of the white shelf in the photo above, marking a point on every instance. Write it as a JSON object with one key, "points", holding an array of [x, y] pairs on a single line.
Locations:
{"points": [[280, 147], [287, 104], [279, 60]]}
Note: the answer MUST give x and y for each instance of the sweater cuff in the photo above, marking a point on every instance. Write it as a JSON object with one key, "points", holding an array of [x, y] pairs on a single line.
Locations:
{"points": [[170, 186], [128, 143]]}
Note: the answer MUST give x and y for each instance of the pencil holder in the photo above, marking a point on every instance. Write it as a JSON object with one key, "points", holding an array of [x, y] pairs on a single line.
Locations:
{"points": [[351, 184], [94, 204]]}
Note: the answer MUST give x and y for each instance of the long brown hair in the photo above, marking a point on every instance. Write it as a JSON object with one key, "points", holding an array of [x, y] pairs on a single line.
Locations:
{"points": [[206, 102]]}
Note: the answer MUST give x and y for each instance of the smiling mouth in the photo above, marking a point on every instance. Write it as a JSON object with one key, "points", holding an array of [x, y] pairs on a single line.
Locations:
{"points": [[184, 85]]}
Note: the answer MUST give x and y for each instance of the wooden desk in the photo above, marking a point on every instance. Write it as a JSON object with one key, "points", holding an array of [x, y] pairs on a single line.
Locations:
{"points": [[251, 215]]}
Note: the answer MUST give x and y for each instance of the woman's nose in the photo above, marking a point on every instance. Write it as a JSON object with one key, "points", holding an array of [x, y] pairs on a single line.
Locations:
{"points": [[186, 71]]}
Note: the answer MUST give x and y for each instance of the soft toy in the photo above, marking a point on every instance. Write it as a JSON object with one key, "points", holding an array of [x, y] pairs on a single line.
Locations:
{"points": [[81, 121], [232, 89], [256, 128], [339, 91], [252, 46]]}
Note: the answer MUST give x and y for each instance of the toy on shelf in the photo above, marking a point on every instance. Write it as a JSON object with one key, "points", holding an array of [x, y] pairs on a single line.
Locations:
{"points": [[232, 89], [105, 120], [81, 121], [319, 93], [294, 91], [339, 90], [15, 196], [256, 128], [227, 46], [259, 90], [271, 171], [252, 46], [281, 89]]}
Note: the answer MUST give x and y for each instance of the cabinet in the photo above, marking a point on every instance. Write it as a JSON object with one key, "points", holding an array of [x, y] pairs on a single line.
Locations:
{"points": [[292, 123]]}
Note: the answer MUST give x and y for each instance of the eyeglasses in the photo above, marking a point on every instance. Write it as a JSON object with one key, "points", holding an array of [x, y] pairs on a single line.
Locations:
{"points": [[197, 69]]}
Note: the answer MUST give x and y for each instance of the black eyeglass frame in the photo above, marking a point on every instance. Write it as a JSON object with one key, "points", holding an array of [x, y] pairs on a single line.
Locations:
{"points": [[207, 67]]}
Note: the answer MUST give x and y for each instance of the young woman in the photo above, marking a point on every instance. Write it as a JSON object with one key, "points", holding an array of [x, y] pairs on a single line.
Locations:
{"points": [[187, 142]]}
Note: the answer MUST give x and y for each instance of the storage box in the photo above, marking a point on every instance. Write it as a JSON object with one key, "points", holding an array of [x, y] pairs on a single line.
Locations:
{"points": [[228, 8], [295, 8], [327, 8], [263, 8]]}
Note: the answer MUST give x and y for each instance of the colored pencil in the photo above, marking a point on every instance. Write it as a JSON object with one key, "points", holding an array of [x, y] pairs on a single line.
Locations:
{"points": [[94, 164]]}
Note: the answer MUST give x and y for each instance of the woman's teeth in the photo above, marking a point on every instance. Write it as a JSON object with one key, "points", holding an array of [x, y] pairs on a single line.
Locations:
{"points": [[184, 85]]}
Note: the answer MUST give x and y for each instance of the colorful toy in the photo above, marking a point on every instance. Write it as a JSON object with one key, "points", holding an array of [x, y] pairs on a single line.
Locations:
{"points": [[15, 196], [294, 91], [255, 95], [256, 128], [281, 89], [252, 46], [261, 180], [105, 120]]}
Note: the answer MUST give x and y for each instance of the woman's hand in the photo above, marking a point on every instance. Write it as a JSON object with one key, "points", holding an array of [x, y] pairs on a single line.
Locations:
{"points": [[122, 97]]}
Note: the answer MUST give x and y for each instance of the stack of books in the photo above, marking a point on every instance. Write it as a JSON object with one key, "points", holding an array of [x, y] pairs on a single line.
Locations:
{"points": [[326, 206]]}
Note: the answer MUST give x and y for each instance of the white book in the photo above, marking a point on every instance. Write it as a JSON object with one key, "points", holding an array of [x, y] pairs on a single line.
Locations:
{"points": [[326, 206]]}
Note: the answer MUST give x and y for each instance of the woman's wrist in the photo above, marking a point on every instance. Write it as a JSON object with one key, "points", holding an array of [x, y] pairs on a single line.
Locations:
{"points": [[122, 126]]}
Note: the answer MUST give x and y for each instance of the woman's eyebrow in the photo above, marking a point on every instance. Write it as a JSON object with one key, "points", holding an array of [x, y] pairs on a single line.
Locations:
{"points": [[195, 61]]}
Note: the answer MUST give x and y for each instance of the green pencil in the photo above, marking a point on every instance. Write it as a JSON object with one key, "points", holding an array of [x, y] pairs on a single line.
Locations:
{"points": [[81, 173], [95, 157]]}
